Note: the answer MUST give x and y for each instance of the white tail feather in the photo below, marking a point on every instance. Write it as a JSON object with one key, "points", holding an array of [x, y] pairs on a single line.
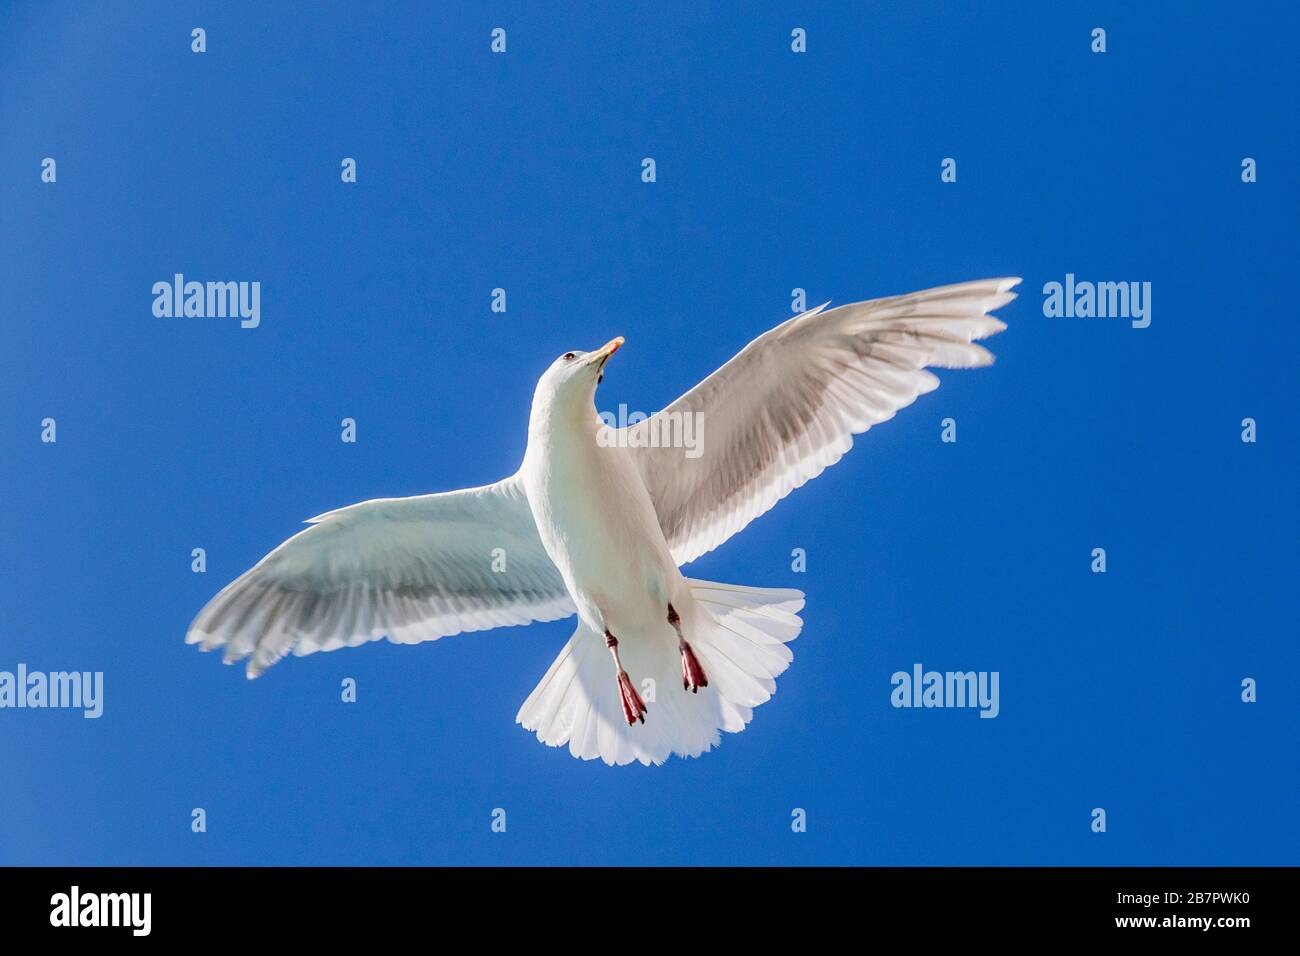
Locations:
{"points": [[741, 642]]}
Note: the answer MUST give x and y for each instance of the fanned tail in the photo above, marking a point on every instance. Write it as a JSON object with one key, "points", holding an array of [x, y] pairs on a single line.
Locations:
{"points": [[739, 635]]}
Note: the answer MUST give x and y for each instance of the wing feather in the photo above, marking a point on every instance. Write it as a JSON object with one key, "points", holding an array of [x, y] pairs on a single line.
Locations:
{"points": [[408, 569], [787, 406]]}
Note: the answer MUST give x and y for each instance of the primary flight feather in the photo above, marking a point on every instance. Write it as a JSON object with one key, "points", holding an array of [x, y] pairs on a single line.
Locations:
{"points": [[598, 523]]}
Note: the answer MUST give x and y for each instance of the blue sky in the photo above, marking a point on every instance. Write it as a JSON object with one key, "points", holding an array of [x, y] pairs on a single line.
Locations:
{"points": [[774, 171]]}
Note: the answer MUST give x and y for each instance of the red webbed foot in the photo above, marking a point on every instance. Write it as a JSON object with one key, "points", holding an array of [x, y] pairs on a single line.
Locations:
{"points": [[693, 676], [633, 706]]}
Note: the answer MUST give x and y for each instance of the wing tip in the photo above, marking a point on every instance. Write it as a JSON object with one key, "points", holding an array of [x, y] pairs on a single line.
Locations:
{"points": [[991, 327]]}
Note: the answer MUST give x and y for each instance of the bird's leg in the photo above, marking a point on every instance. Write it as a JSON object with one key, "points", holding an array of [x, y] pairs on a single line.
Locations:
{"points": [[693, 676], [633, 705]]}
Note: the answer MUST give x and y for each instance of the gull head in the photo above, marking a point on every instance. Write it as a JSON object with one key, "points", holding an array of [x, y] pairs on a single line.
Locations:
{"points": [[570, 382]]}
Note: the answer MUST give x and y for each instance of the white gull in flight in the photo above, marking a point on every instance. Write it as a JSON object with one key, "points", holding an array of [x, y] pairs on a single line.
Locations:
{"points": [[597, 521]]}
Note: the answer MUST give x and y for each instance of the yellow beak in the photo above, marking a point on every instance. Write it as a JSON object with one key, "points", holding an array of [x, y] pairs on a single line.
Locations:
{"points": [[602, 354]]}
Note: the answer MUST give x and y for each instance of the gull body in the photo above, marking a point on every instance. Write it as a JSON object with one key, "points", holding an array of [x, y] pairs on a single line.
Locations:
{"points": [[599, 526], [597, 522], [593, 514]]}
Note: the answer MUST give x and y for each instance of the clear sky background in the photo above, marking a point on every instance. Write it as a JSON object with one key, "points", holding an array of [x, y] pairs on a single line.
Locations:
{"points": [[775, 171]]}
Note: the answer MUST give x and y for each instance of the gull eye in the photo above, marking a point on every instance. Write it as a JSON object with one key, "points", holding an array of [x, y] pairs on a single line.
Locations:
{"points": [[569, 356]]}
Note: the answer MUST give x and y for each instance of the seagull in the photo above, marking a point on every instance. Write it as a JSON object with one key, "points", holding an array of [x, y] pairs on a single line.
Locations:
{"points": [[598, 520]]}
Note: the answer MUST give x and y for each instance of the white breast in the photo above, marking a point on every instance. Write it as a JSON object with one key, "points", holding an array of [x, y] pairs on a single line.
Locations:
{"points": [[599, 526]]}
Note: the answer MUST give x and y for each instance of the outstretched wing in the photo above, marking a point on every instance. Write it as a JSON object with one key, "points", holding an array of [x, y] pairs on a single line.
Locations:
{"points": [[409, 569], [786, 407]]}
